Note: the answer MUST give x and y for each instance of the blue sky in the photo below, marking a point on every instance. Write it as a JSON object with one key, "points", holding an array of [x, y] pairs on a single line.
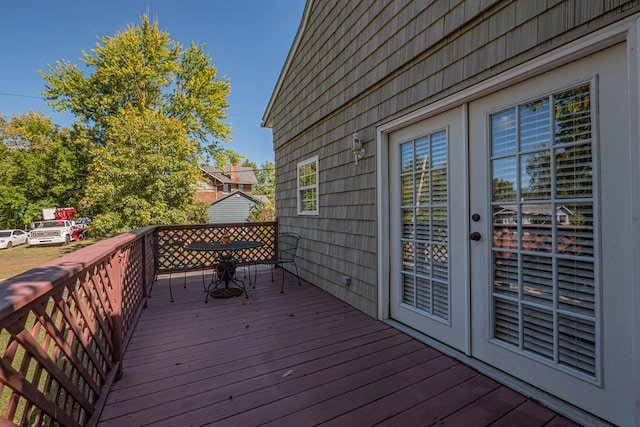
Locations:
{"points": [[247, 40]]}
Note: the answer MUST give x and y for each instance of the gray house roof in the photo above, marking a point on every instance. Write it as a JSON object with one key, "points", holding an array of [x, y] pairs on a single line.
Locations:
{"points": [[244, 174]]}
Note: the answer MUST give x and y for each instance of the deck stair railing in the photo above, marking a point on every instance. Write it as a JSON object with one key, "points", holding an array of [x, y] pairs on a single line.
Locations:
{"points": [[65, 325]]}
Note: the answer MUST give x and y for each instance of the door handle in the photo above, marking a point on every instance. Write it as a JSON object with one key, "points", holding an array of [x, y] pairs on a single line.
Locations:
{"points": [[475, 236]]}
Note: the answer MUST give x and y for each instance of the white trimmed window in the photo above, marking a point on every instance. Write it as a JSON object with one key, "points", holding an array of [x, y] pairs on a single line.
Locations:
{"points": [[308, 187]]}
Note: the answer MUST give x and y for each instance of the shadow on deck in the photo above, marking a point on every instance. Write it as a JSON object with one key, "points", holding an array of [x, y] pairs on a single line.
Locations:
{"points": [[295, 359]]}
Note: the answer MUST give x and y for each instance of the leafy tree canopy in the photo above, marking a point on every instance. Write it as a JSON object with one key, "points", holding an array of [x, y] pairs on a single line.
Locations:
{"points": [[266, 176], [142, 68], [40, 164], [142, 174], [266, 185], [224, 156], [147, 109]]}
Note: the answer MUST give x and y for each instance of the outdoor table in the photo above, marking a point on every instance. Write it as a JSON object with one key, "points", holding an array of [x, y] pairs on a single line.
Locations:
{"points": [[227, 260]]}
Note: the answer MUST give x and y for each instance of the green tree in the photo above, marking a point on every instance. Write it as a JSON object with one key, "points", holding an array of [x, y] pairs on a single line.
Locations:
{"points": [[142, 175], [266, 185], [39, 167], [224, 156], [150, 109], [266, 176]]}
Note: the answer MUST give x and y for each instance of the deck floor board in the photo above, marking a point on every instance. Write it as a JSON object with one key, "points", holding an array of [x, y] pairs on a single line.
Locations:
{"points": [[300, 358]]}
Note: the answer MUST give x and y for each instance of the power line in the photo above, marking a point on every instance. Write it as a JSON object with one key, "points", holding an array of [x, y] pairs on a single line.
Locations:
{"points": [[21, 96], [121, 174]]}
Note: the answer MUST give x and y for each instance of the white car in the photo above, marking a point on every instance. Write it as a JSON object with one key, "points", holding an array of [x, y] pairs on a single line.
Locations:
{"points": [[9, 238]]}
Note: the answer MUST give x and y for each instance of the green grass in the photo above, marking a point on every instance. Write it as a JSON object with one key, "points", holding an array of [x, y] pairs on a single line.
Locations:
{"points": [[22, 258]]}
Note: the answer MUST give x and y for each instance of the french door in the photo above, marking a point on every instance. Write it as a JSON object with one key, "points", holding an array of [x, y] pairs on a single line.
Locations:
{"points": [[507, 221], [547, 252], [427, 169]]}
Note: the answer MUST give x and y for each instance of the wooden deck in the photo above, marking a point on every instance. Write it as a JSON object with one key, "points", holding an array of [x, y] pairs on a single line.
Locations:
{"points": [[301, 358]]}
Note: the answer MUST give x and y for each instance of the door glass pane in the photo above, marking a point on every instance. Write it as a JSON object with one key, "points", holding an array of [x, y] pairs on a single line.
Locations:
{"points": [[408, 256], [425, 226], [406, 157], [574, 171], [439, 186], [505, 273], [423, 294], [504, 172], [507, 321], [577, 343], [537, 279], [538, 331], [439, 150], [422, 192], [544, 228], [573, 115], [441, 299], [576, 286], [575, 229], [408, 289], [439, 224], [422, 227], [423, 258], [535, 175], [407, 190], [535, 128], [422, 150], [503, 133], [408, 225]]}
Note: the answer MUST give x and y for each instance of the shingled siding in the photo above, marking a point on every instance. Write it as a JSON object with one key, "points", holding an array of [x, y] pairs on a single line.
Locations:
{"points": [[361, 64], [234, 208]]}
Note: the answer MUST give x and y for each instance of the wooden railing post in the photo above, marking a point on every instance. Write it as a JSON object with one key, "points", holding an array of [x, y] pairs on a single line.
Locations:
{"points": [[116, 314], [145, 245]]}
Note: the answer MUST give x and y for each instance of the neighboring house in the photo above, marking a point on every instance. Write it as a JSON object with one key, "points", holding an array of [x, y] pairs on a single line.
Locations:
{"points": [[530, 214], [461, 106], [217, 183], [234, 207]]}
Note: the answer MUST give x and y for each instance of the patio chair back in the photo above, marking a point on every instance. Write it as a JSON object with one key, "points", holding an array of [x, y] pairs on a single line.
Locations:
{"points": [[288, 246], [179, 264]]}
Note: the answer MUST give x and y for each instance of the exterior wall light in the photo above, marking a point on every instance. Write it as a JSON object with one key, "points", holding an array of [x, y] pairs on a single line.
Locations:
{"points": [[355, 144]]}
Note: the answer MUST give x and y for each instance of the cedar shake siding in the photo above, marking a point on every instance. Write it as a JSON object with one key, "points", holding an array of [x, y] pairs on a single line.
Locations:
{"points": [[356, 65]]}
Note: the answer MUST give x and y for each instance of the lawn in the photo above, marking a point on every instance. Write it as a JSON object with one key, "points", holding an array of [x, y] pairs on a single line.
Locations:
{"points": [[22, 258]]}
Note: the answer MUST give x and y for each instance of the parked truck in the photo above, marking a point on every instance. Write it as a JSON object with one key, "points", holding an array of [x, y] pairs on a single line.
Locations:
{"points": [[58, 227], [51, 232]]}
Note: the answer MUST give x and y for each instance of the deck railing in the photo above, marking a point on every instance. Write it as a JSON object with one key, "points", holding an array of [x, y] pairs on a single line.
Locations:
{"points": [[171, 241], [64, 326]]}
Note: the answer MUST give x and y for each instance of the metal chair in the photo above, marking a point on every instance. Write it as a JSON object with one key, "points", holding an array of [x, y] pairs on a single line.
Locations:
{"points": [[286, 250], [172, 247]]}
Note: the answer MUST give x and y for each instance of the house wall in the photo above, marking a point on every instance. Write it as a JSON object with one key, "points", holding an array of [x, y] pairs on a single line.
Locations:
{"points": [[359, 65], [235, 208], [230, 188]]}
